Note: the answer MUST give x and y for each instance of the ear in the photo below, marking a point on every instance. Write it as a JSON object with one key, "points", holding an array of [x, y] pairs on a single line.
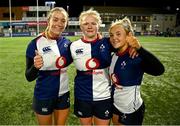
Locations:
{"points": [[80, 27], [130, 34], [67, 23], [47, 23]]}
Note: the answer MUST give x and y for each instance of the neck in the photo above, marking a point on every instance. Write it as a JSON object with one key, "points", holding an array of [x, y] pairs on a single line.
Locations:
{"points": [[50, 36], [123, 49], [88, 39]]}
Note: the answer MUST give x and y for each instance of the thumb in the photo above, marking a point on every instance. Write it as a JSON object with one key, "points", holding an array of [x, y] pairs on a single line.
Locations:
{"points": [[36, 52]]}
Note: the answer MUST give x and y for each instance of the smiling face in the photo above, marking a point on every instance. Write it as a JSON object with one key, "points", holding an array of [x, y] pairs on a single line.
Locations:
{"points": [[118, 37], [89, 27], [56, 24]]}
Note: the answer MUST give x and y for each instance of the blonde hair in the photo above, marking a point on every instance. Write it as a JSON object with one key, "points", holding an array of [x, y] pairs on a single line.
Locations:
{"points": [[60, 9], [125, 23], [90, 12]]}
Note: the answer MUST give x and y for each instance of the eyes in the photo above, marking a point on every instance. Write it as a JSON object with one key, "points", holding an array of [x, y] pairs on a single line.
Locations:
{"points": [[54, 19], [115, 34], [87, 23]]}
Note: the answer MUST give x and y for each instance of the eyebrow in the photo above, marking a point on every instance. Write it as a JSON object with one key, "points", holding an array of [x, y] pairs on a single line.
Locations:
{"points": [[59, 18]]}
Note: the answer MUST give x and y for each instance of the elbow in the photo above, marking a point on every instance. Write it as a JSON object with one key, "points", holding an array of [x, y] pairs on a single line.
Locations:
{"points": [[28, 78], [160, 71], [156, 71]]}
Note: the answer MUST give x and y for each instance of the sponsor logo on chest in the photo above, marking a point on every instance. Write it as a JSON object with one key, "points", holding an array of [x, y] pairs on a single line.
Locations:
{"points": [[46, 49], [79, 51]]}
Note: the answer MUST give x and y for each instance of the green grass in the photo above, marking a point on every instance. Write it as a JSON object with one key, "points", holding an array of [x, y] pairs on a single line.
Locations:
{"points": [[161, 94]]}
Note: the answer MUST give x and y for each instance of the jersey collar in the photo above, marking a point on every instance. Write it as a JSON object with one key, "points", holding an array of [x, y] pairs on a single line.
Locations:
{"points": [[123, 53], [93, 41]]}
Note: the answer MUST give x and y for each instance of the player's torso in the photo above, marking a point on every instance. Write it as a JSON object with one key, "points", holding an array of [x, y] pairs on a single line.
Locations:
{"points": [[126, 75], [52, 80], [53, 53], [92, 61], [125, 70], [88, 56]]}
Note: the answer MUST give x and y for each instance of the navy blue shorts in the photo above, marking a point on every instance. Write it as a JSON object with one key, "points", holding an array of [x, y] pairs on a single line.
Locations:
{"points": [[101, 109], [46, 107], [135, 118]]}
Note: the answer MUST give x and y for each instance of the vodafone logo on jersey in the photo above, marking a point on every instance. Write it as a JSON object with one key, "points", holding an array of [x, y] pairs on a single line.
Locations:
{"points": [[60, 62], [115, 81], [92, 63]]}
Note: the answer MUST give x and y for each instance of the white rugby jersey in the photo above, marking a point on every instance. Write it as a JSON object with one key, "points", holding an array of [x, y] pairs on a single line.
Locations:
{"points": [[126, 75], [52, 79], [127, 99], [91, 60]]}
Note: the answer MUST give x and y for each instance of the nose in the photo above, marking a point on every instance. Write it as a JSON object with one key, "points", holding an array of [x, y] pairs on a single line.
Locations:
{"points": [[114, 37], [89, 26], [60, 23]]}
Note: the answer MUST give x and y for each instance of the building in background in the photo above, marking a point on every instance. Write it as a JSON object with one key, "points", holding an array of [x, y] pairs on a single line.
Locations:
{"points": [[146, 21], [24, 20]]}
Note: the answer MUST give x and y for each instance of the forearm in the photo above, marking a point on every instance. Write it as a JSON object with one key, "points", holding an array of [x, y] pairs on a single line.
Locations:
{"points": [[31, 72], [151, 64]]}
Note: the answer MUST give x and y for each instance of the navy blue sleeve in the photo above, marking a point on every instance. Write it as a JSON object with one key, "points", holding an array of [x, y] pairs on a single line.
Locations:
{"points": [[31, 72], [104, 53], [65, 51], [30, 51], [112, 49], [150, 63], [70, 59]]}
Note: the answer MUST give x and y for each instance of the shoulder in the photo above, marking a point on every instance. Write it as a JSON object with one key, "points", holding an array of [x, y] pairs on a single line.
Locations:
{"points": [[36, 39], [77, 42], [33, 42], [66, 40], [63, 42], [32, 46], [105, 39]]}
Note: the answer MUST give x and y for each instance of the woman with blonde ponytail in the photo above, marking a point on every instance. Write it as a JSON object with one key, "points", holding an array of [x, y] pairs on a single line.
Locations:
{"points": [[126, 74], [47, 58]]}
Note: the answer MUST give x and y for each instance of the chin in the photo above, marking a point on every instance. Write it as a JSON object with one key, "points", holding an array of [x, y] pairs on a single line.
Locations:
{"points": [[115, 46], [57, 33]]}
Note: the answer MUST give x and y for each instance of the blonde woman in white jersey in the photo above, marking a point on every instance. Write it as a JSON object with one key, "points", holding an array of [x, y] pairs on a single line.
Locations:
{"points": [[47, 57], [91, 56]]}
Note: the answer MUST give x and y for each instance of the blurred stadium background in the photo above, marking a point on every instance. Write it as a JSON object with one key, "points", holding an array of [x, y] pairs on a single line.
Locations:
{"points": [[30, 20], [158, 31]]}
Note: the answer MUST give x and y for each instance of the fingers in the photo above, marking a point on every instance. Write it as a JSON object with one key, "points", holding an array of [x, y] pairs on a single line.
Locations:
{"points": [[133, 53], [133, 41], [100, 35], [36, 52], [129, 37], [38, 60]]}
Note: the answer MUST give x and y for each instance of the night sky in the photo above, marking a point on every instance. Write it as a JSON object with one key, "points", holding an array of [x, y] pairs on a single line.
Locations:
{"points": [[76, 6]]}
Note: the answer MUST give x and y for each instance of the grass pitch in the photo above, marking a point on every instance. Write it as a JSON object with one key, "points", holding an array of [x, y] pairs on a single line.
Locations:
{"points": [[161, 94]]}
